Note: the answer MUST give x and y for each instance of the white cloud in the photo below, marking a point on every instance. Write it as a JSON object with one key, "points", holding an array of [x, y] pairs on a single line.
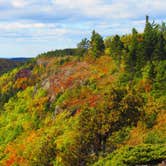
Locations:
{"points": [[76, 4], [18, 25], [113, 9], [19, 3], [62, 23], [32, 31]]}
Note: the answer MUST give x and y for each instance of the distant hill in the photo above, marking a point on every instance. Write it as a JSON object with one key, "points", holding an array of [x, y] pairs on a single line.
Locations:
{"points": [[22, 59], [6, 65]]}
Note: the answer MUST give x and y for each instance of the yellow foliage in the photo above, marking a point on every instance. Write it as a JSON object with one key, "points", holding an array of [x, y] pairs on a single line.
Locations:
{"points": [[137, 135], [161, 122], [21, 83]]}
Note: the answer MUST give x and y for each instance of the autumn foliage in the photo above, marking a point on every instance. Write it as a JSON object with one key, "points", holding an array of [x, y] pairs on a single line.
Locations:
{"points": [[104, 106]]}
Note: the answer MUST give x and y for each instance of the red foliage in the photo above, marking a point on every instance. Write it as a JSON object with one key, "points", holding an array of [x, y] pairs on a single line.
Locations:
{"points": [[23, 73], [12, 150]]}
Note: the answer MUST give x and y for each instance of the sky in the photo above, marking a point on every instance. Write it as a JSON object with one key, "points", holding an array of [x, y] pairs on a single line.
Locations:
{"points": [[30, 27]]}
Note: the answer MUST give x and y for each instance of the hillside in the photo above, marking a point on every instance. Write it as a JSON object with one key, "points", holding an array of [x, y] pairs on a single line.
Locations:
{"points": [[101, 104], [7, 65]]}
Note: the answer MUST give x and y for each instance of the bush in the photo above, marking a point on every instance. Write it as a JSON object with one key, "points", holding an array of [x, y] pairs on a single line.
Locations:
{"points": [[154, 137], [139, 155]]}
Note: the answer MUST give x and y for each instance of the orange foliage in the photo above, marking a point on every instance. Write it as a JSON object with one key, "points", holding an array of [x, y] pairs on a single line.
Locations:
{"points": [[145, 85], [85, 98], [161, 121], [21, 83], [31, 137], [13, 155], [137, 135]]}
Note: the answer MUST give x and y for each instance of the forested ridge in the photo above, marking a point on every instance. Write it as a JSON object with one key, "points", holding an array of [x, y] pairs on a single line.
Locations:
{"points": [[7, 65], [100, 104]]}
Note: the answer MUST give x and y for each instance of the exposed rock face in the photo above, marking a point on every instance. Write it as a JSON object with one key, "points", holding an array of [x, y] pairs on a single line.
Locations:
{"points": [[43, 61], [68, 76], [46, 84]]}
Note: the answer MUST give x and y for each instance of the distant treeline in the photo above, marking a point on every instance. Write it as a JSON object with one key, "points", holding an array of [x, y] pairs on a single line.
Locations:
{"points": [[21, 59], [7, 65], [60, 52]]}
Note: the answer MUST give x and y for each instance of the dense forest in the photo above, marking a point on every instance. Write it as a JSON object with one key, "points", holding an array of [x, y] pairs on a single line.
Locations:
{"points": [[7, 65], [100, 104]]}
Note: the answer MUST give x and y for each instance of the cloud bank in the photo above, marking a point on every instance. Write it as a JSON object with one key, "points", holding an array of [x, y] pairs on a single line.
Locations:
{"points": [[29, 27]]}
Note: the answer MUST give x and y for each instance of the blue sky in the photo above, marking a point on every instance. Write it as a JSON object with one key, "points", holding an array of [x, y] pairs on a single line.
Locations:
{"points": [[29, 27]]}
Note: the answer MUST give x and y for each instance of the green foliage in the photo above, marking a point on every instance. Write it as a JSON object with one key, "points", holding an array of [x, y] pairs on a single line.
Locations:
{"points": [[139, 155], [17, 119], [150, 120], [6, 86], [96, 44], [116, 47], [75, 110], [96, 125], [150, 39], [43, 153], [155, 137], [11, 133], [83, 46], [159, 85], [59, 53]]}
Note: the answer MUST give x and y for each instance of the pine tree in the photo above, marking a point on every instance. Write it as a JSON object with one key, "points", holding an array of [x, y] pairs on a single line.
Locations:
{"points": [[150, 39], [83, 46], [116, 48], [159, 52], [96, 44], [132, 58]]}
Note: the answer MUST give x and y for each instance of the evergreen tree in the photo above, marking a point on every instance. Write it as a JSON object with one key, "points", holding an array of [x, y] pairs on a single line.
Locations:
{"points": [[132, 58], [107, 41], [163, 28], [150, 39], [96, 44], [159, 52], [140, 62], [116, 48], [83, 46]]}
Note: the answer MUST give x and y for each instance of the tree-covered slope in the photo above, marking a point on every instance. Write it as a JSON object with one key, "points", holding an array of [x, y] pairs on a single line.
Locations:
{"points": [[7, 65], [102, 104]]}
